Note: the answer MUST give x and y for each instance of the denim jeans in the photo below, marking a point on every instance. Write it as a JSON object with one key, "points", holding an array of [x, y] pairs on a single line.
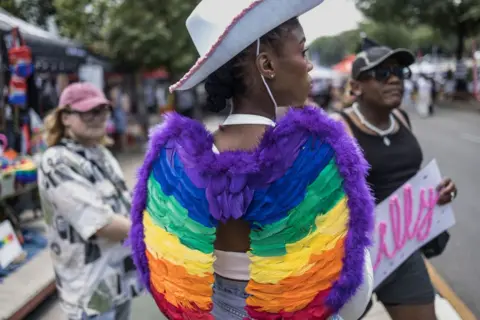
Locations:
{"points": [[229, 300], [121, 312]]}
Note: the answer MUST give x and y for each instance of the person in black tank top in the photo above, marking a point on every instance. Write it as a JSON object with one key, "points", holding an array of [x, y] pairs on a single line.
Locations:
{"points": [[394, 154], [390, 168]]}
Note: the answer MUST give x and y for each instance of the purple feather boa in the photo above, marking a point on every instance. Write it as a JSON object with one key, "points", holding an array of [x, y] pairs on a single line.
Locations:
{"points": [[194, 146]]}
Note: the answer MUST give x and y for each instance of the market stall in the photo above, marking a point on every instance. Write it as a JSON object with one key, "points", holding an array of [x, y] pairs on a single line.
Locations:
{"points": [[18, 172], [21, 145], [50, 52], [56, 61]]}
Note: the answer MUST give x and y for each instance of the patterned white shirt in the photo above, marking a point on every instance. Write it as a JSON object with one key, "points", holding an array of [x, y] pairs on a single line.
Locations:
{"points": [[79, 197]]}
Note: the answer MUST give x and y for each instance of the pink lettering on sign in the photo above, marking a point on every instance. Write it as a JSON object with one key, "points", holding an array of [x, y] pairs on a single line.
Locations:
{"points": [[404, 232]]}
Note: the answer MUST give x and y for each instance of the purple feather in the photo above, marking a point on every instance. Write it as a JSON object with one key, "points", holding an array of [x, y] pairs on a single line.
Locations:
{"points": [[353, 168], [230, 197]]}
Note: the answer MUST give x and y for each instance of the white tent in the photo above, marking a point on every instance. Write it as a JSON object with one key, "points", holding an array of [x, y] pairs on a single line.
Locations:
{"points": [[427, 68], [415, 68], [322, 73], [322, 77], [424, 67]]}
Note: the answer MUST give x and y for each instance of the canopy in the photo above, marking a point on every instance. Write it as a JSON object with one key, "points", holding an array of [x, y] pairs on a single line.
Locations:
{"points": [[322, 73], [345, 66], [50, 53]]}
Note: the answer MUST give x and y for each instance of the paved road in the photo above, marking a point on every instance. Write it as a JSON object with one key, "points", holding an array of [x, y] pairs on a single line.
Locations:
{"points": [[453, 138]]}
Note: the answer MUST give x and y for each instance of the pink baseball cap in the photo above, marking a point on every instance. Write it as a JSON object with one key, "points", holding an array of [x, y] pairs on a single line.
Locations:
{"points": [[82, 96]]}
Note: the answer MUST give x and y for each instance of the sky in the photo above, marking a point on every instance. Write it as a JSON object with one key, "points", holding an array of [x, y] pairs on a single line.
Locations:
{"points": [[330, 18]]}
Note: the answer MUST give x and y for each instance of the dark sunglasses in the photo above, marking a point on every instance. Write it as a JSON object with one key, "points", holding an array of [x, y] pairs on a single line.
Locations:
{"points": [[382, 74], [92, 114]]}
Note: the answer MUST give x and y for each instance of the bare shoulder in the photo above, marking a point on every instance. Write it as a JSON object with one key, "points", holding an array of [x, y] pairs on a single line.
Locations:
{"points": [[402, 116], [338, 117], [281, 112]]}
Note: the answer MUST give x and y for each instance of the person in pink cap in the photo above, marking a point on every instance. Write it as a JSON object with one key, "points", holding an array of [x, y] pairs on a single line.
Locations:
{"points": [[86, 205], [83, 111]]}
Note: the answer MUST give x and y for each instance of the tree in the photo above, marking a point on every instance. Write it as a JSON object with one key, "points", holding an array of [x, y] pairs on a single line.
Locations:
{"points": [[458, 17], [135, 34], [332, 49], [84, 21], [33, 11], [152, 33], [473, 12], [427, 39], [12, 7], [421, 38], [388, 34]]}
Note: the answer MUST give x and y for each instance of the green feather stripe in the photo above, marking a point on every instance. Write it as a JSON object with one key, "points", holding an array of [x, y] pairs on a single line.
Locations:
{"points": [[321, 196], [168, 213]]}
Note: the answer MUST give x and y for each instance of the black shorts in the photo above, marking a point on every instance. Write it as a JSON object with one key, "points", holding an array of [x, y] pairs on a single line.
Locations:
{"points": [[189, 113], [410, 284]]}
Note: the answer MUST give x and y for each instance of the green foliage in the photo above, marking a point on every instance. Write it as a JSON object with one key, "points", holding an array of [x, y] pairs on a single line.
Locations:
{"points": [[83, 20], [11, 7], [136, 34], [472, 13], [152, 33], [421, 37], [389, 34], [33, 11], [334, 48], [450, 17]]}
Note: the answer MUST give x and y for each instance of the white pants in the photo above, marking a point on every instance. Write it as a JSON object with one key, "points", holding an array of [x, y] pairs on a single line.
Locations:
{"points": [[423, 104], [359, 302]]}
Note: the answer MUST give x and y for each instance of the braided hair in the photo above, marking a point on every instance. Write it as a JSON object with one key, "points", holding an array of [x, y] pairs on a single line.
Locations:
{"points": [[229, 80]]}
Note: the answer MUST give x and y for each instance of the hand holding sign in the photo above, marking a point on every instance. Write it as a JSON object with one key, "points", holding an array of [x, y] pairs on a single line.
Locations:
{"points": [[407, 220], [447, 190]]}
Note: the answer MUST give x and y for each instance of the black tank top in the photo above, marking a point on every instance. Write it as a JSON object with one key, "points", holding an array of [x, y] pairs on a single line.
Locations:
{"points": [[391, 166]]}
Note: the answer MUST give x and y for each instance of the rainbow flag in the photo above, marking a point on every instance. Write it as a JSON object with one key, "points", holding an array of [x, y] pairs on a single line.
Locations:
{"points": [[303, 191], [18, 91], [26, 171], [6, 240]]}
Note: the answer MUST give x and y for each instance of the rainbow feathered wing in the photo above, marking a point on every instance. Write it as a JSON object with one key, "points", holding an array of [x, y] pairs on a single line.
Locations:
{"points": [[304, 193]]}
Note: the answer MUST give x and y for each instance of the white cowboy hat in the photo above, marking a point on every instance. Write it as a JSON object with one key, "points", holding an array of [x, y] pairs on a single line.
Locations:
{"points": [[221, 29]]}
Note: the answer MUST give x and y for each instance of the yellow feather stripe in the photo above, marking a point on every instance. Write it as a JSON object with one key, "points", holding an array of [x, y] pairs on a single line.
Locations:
{"points": [[331, 228], [164, 245]]}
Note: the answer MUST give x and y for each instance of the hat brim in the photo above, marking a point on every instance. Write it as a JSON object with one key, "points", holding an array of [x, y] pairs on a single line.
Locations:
{"points": [[89, 104], [404, 58], [252, 23]]}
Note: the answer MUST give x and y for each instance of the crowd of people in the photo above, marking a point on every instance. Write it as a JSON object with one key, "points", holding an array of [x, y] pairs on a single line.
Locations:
{"points": [[422, 91], [269, 217]]}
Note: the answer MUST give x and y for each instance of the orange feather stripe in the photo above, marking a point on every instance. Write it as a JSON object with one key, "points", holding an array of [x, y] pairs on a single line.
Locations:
{"points": [[295, 293], [180, 288]]}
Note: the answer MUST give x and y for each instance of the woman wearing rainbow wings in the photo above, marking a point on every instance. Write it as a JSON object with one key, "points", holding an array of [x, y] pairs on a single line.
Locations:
{"points": [[261, 219]]}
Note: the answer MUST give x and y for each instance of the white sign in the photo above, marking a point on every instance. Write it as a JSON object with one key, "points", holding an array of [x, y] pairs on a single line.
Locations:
{"points": [[93, 74], [10, 247], [407, 220]]}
